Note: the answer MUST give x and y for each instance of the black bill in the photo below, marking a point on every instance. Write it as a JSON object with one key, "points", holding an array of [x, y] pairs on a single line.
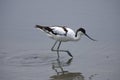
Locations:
{"points": [[90, 37]]}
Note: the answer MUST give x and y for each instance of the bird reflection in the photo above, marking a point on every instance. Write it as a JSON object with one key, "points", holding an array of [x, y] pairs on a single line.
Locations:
{"points": [[62, 74]]}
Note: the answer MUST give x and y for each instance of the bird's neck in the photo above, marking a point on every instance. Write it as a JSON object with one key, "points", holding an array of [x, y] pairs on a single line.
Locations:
{"points": [[78, 36]]}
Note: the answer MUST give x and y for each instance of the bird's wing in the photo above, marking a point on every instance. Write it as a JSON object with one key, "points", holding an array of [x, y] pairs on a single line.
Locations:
{"points": [[59, 30], [56, 30]]}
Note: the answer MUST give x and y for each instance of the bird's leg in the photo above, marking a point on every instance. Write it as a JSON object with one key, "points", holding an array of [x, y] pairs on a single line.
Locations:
{"points": [[52, 49], [64, 50], [67, 52], [58, 49]]}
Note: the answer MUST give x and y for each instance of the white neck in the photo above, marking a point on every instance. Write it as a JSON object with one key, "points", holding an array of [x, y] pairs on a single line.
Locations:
{"points": [[78, 36]]}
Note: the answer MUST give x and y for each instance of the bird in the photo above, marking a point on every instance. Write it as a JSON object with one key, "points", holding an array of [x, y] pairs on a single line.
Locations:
{"points": [[63, 34]]}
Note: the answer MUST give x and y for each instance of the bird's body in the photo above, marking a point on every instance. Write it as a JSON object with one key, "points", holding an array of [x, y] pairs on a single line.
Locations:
{"points": [[62, 34]]}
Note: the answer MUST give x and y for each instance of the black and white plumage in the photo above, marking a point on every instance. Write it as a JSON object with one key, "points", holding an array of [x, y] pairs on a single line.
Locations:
{"points": [[63, 34]]}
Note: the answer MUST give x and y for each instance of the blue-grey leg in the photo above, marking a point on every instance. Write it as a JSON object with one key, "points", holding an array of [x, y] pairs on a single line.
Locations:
{"points": [[52, 49]]}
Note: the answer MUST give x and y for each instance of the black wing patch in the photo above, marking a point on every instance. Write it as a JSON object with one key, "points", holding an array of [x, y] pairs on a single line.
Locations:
{"points": [[49, 30], [46, 29], [65, 30]]}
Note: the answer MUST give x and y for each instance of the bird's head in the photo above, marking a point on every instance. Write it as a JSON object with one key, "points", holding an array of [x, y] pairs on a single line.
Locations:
{"points": [[83, 32]]}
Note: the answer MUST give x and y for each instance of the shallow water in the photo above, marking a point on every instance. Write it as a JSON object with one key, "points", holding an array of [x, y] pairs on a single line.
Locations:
{"points": [[43, 65]]}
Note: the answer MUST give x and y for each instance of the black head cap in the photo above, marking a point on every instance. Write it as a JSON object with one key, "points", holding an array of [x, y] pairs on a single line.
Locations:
{"points": [[82, 30]]}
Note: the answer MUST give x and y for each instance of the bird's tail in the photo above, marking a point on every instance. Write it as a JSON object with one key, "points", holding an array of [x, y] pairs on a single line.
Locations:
{"points": [[42, 28], [45, 28], [39, 26]]}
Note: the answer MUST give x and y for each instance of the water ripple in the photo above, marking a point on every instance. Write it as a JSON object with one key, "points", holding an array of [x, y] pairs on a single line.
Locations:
{"points": [[31, 58]]}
